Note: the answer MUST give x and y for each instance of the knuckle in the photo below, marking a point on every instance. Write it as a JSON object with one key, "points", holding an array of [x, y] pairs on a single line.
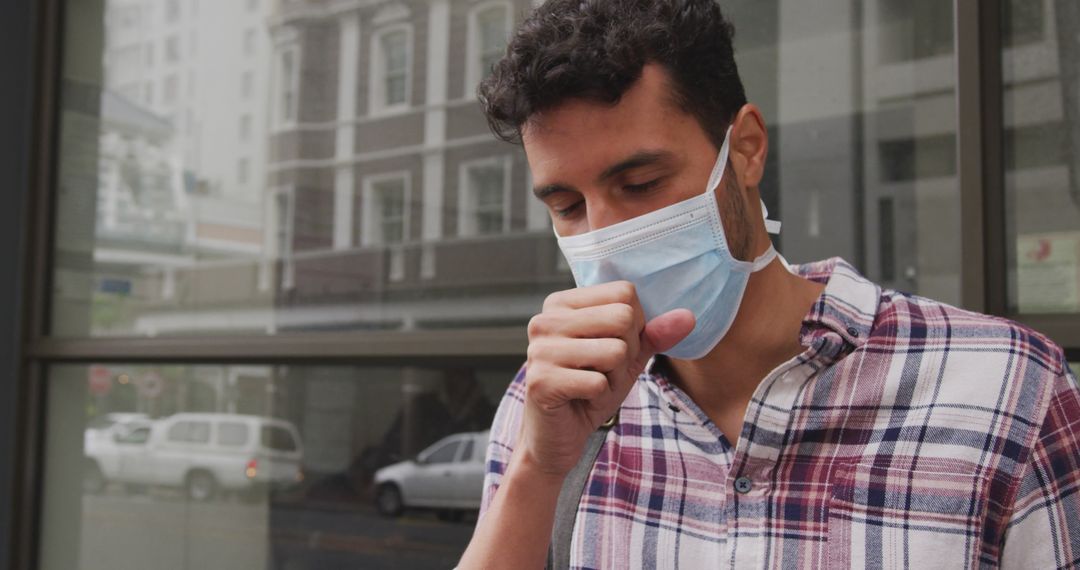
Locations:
{"points": [[625, 290], [538, 325], [535, 353], [553, 300], [614, 351], [624, 316]]}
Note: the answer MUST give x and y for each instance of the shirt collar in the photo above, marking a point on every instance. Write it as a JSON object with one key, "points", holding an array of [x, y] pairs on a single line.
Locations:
{"points": [[847, 307]]}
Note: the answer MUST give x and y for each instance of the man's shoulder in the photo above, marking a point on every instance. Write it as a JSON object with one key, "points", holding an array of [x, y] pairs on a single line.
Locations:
{"points": [[915, 323]]}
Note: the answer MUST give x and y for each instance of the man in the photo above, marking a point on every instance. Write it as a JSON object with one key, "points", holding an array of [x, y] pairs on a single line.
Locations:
{"points": [[763, 417]]}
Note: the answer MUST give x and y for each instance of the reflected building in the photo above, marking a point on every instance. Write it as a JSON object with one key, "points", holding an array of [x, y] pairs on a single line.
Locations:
{"points": [[193, 74], [397, 208]]}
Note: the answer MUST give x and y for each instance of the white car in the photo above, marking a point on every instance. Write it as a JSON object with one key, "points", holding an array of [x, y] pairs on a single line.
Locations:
{"points": [[200, 453], [103, 427], [448, 475]]}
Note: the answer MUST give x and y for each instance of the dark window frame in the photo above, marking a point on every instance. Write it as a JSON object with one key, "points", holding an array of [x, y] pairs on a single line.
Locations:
{"points": [[31, 39]]}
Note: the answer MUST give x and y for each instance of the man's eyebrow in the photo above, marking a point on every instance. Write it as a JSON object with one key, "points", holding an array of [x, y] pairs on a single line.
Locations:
{"points": [[546, 190], [637, 160]]}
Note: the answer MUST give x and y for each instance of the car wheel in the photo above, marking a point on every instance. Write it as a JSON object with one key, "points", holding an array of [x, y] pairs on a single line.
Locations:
{"points": [[93, 478], [201, 486], [388, 500]]}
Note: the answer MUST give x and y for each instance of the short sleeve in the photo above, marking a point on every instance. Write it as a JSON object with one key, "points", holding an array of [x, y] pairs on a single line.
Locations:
{"points": [[1044, 529], [504, 431]]}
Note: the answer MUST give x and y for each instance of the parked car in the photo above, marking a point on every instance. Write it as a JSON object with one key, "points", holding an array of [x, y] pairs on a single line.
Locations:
{"points": [[448, 475], [103, 426], [203, 454]]}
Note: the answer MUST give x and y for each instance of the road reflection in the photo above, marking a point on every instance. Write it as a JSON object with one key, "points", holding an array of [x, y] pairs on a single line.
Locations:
{"points": [[163, 530]]}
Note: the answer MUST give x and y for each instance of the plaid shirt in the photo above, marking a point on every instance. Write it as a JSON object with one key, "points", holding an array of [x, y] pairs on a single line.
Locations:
{"points": [[908, 434]]}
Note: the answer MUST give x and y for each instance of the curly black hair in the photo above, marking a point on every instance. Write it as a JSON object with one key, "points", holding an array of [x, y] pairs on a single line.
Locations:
{"points": [[596, 49]]}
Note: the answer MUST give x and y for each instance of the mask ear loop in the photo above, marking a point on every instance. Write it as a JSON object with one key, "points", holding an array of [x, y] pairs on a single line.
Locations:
{"points": [[771, 226]]}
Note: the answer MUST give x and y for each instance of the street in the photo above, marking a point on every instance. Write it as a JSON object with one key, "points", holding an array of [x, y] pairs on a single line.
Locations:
{"points": [[136, 532]]}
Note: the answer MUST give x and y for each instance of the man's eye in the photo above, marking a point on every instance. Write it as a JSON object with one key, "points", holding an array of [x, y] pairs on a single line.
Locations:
{"points": [[643, 187], [567, 211]]}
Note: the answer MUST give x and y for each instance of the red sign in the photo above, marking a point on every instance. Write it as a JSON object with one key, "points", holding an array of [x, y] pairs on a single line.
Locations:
{"points": [[100, 380]]}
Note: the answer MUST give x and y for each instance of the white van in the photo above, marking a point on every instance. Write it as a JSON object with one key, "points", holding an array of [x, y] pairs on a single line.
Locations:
{"points": [[201, 453]]}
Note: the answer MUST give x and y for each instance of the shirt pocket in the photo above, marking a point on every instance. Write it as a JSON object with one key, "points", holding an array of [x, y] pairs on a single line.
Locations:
{"points": [[898, 518]]}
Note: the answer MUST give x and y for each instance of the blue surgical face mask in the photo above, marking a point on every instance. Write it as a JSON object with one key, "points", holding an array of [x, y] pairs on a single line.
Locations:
{"points": [[676, 257]]}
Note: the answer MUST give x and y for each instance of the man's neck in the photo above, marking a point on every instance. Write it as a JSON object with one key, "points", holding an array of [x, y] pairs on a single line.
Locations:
{"points": [[764, 335]]}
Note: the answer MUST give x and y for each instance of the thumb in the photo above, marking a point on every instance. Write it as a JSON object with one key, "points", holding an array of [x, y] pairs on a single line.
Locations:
{"points": [[663, 332]]}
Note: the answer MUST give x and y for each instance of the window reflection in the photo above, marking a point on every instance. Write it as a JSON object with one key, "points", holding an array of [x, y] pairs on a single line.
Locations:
{"points": [[265, 466], [1042, 155]]}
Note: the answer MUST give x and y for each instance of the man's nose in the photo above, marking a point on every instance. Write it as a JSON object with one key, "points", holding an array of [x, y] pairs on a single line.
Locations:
{"points": [[601, 213]]}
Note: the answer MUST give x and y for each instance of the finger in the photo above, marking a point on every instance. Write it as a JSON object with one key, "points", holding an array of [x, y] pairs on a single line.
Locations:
{"points": [[551, 387], [603, 294], [599, 354], [602, 321], [662, 333]]}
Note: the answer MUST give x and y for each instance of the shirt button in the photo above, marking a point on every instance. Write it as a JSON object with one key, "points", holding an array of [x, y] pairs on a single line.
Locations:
{"points": [[743, 485], [854, 332]]}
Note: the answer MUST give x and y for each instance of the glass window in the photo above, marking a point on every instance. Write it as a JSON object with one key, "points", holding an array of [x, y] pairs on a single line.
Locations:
{"points": [[247, 84], [467, 453], [189, 432], [244, 129], [172, 49], [249, 42], [388, 217], [445, 453], [491, 30], [136, 436], [277, 438], [395, 62], [914, 29], [232, 434], [1042, 155], [860, 106], [485, 197], [242, 167], [170, 90], [311, 503], [289, 85], [1024, 22], [172, 11]]}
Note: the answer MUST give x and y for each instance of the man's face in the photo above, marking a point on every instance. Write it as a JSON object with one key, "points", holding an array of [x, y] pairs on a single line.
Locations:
{"points": [[595, 165]]}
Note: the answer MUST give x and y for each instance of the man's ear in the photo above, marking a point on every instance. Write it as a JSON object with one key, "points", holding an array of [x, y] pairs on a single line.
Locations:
{"points": [[749, 146]]}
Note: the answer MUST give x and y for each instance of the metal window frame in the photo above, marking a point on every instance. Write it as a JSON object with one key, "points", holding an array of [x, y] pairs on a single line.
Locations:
{"points": [[31, 38]]}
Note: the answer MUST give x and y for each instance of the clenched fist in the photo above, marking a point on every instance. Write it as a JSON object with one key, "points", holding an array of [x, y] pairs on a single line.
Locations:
{"points": [[586, 349]]}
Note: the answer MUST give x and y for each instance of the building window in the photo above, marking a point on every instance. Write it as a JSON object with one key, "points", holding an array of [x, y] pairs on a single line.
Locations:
{"points": [[249, 42], [247, 84], [283, 234], [391, 77], [172, 49], [1023, 22], [149, 51], [915, 29], [489, 29], [172, 87], [244, 130], [252, 5], [484, 197], [242, 171], [172, 11], [148, 93], [288, 85], [386, 199]]}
